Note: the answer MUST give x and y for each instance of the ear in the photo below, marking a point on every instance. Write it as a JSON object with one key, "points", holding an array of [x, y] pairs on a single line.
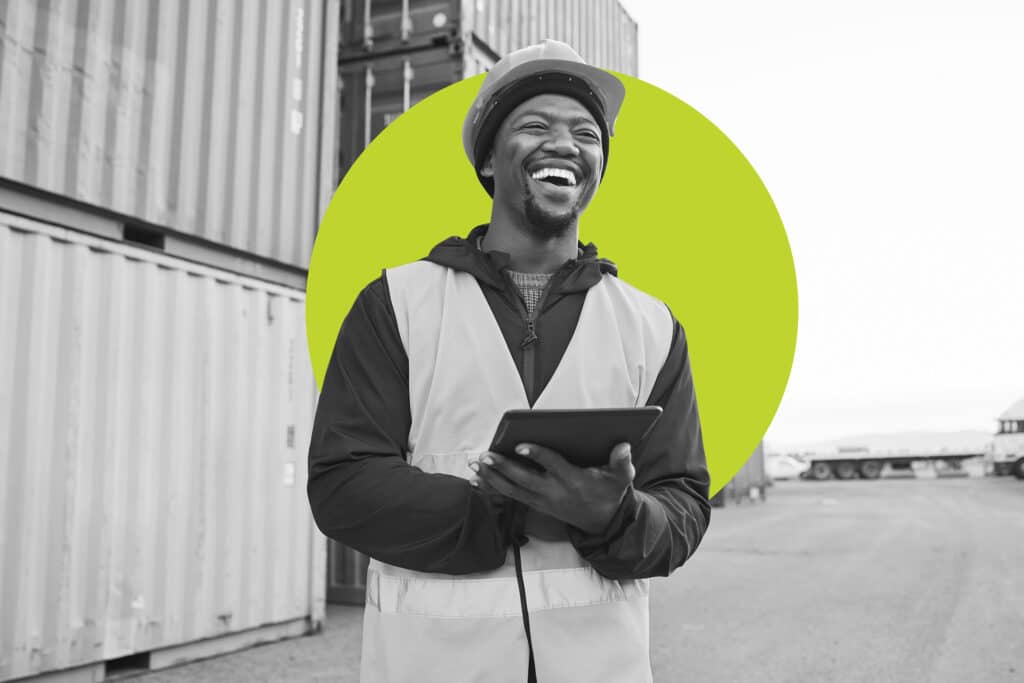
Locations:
{"points": [[487, 168]]}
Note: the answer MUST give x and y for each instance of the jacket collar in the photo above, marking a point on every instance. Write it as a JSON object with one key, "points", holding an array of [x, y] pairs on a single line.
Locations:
{"points": [[459, 253]]}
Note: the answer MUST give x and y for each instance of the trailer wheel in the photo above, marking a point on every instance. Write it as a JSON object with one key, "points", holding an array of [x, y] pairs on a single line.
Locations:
{"points": [[820, 471], [1018, 468], [845, 470], [871, 469]]}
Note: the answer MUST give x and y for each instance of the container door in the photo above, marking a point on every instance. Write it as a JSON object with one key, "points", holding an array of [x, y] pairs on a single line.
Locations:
{"points": [[380, 26], [374, 92]]}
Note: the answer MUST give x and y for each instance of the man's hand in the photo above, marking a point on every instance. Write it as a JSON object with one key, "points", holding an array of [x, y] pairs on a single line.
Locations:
{"points": [[584, 497]]}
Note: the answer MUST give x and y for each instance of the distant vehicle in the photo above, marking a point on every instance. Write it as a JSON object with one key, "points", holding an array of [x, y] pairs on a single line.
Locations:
{"points": [[785, 466], [1007, 454], [749, 484], [864, 463]]}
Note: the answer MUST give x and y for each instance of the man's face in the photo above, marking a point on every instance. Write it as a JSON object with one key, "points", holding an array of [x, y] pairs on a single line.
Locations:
{"points": [[546, 163]]}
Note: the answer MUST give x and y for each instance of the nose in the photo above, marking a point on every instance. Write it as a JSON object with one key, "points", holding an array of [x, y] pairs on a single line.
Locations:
{"points": [[561, 141]]}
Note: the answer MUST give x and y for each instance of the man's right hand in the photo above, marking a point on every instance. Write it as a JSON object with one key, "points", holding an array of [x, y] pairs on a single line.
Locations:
{"points": [[584, 497]]}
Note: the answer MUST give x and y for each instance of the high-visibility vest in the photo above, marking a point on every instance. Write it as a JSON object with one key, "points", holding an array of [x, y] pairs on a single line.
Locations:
{"points": [[439, 627]]}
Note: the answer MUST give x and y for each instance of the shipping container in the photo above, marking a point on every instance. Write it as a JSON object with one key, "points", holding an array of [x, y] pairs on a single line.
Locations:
{"points": [[600, 30], [375, 92], [749, 484], [346, 574], [203, 118], [154, 424]]}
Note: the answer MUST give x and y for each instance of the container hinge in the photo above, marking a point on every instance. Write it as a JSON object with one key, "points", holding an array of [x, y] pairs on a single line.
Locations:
{"points": [[406, 21], [367, 25]]}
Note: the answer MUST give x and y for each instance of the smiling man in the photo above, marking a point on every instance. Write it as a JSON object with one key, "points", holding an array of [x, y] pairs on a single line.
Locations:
{"points": [[483, 568]]}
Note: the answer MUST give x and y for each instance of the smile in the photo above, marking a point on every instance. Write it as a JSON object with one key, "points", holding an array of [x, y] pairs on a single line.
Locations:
{"points": [[556, 176]]}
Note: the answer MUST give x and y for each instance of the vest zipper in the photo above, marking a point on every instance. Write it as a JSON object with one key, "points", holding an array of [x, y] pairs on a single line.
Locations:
{"points": [[529, 342]]}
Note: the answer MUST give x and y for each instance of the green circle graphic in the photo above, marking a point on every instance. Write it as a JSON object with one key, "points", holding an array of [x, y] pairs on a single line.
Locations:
{"points": [[681, 212]]}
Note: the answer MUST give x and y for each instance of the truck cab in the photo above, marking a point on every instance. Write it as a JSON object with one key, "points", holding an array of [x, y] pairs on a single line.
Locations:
{"points": [[1008, 442]]}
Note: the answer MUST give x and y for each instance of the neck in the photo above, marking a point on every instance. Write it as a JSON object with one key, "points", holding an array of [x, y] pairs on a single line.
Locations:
{"points": [[529, 253]]}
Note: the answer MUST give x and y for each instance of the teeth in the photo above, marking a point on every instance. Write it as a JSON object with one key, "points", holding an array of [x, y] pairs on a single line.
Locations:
{"points": [[542, 173]]}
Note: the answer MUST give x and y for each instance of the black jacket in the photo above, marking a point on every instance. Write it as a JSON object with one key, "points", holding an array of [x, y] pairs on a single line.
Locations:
{"points": [[364, 494]]}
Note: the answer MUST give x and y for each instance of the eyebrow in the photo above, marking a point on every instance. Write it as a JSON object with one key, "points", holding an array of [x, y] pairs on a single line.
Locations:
{"points": [[573, 121]]}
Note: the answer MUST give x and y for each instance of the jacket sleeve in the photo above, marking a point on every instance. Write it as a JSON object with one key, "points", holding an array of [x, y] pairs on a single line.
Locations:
{"points": [[361, 490], [666, 511]]}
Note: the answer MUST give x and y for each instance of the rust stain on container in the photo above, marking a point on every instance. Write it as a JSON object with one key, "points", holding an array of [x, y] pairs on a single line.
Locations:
{"points": [[141, 415], [207, 118]]}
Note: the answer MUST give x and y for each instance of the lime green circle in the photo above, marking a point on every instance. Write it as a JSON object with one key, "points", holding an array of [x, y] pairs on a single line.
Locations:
{"points": [[680, 211]]}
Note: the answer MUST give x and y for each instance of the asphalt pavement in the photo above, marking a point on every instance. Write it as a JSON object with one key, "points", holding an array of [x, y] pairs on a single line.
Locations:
{"points": [[915, 580]]}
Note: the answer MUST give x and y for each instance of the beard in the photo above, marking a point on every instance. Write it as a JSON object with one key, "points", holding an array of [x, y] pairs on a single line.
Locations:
{"points": [[546, 224]]}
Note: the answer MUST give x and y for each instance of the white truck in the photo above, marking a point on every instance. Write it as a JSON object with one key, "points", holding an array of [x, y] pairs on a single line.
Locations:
{"points": [[1007, 455]]}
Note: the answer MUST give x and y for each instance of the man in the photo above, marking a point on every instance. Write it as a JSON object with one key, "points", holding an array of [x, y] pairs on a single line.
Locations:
{"points": [[484, 569]]}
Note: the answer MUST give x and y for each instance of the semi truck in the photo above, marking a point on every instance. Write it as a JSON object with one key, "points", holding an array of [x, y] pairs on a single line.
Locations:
{"points": [[864, 463]]}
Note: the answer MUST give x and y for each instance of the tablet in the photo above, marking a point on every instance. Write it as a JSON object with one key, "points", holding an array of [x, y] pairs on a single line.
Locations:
{"points": [[583, 437]]}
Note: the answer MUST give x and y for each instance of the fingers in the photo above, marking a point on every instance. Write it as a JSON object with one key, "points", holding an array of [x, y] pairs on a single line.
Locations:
{"points": [[550, 460], [620, 462], [506, 477]]}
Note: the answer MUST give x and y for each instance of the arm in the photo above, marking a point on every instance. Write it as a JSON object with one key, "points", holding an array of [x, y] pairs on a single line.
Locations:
{"points": [[361, 490], [664, 514]]}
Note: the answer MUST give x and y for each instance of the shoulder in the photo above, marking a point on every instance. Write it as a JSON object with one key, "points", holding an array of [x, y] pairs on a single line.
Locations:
{"points": [[410, 285], [644, 303], [415, 275]]}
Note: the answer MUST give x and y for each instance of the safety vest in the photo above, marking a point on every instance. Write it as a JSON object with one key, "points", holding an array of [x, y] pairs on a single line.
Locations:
{"points": [[439, 627]]}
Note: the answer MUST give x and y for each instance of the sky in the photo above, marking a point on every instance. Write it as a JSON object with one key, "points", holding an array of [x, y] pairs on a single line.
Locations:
{"points": [[890, 135]]}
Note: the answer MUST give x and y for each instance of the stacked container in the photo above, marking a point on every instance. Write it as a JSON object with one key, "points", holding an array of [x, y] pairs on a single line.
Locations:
{"points": [[393, 53], [163, 167]]}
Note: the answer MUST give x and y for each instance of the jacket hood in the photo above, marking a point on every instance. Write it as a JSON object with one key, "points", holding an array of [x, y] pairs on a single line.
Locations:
{"points": [[461, 253]]}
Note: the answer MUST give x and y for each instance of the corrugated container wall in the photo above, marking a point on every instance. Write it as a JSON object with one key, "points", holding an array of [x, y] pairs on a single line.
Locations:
{"points": [[154, 423], [205, 118], [600, 30]]}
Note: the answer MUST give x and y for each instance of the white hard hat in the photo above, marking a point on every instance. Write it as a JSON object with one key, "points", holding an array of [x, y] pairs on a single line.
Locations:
{"points": [[548, 67]]}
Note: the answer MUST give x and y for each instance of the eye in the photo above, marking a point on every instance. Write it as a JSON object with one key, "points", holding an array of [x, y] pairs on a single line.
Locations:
{"points": [[533, 125], [589, 134]]}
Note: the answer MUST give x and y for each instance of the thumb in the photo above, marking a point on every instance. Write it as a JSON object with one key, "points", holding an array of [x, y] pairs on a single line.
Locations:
{"points": [[621, 461]]}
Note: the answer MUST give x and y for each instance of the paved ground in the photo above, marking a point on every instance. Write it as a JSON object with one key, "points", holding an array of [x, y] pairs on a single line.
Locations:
{"points": [[889, 580]]}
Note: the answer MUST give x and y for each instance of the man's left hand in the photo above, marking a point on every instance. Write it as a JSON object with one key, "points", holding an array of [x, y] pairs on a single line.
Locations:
{"points": [[584, 497]]}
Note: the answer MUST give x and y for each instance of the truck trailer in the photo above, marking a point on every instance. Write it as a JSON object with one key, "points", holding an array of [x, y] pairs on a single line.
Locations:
{"points": [[864, 463]]}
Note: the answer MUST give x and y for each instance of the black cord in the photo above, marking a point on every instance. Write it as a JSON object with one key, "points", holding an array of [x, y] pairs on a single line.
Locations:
{"points": [[514, 523], [531, 675]]}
